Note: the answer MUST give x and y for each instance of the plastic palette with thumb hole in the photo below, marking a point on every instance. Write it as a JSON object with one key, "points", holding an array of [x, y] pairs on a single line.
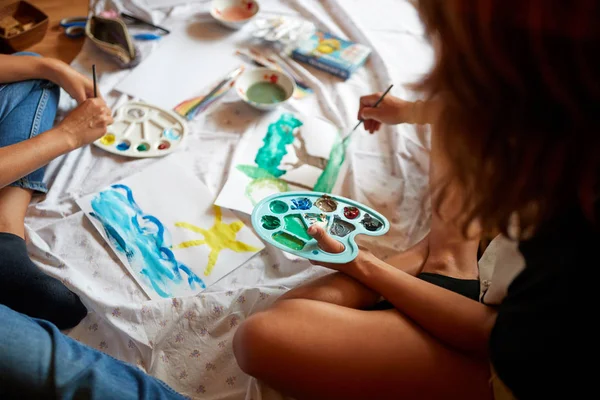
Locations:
{"points": [[283, 219], [143, 130]]}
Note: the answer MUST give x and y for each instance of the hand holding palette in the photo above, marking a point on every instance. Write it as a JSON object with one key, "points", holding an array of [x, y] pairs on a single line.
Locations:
{"points": [[143, 130], [283, 219]]}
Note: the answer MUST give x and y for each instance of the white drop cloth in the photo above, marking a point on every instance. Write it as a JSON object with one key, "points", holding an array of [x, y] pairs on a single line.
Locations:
{"points": [[187, 341]]}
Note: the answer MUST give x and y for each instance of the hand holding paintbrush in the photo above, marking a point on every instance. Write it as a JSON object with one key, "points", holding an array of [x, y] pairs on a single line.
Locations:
{"points": [[360, 116]]}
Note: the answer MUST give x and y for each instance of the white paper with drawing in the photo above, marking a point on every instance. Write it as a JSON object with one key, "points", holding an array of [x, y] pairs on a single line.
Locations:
{"points": [[284, 152], [163, 227], [194, 56]]}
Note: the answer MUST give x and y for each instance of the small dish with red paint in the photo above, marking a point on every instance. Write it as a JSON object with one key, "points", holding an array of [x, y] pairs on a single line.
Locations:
{"points": [[265, 88], [234, 14]]}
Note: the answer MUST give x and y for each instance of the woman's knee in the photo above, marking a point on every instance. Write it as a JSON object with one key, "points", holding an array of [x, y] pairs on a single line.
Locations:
{"points": [[262, 337]]}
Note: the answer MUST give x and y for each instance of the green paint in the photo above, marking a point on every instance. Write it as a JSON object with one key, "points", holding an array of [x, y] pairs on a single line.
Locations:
{"points": [[270, 222], [294, 224], [266, 93], [288, 240], [260, 188], [279, 135], [143, 147], [326, 181], [254, 172], [278, 207]]}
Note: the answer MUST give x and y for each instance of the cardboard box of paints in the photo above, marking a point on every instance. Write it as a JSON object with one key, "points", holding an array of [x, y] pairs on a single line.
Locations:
{"points": [[332, 54]]}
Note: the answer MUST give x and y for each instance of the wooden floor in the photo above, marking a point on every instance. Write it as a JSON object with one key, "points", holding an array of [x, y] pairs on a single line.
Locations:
{"points": [[55, 43]]}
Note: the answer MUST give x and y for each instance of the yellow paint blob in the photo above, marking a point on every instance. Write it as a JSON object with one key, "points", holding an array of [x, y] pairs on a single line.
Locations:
{"points": [[219, 237], [107, 139]]}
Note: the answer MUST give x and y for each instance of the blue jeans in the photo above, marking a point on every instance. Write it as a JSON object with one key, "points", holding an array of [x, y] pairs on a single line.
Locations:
{"points": [[27, 108], [37, 361]]}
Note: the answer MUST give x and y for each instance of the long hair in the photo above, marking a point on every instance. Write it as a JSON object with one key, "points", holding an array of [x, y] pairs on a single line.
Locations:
{"points": [[519, 81]]}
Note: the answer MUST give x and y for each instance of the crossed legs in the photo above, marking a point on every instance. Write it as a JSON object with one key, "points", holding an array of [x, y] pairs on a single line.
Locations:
{"points": [[321, 341]]}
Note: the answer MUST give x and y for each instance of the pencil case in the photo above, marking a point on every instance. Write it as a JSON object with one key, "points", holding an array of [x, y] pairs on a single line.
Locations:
{"points": [[111, 36]]}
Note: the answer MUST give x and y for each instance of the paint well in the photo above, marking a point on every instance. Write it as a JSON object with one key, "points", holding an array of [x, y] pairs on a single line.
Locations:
{"points": [[289, 241], [164, 145], [301, 203], [237, 13], [108, 139], [371, 224], [278, 207], [295, 225], [326, 203], [124, 145], [136, 112], [351, 212], [266, 93], [143, 147], [314, 218], [270, 222], [341, 228], [171, 134]]}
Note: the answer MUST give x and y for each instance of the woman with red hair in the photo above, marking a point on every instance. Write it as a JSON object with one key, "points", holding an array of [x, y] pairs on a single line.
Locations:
{"points": [[514, 103]]}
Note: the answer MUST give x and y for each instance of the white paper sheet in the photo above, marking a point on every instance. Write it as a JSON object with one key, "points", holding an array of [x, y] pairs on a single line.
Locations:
{"points": [[163, 227], [302, 165], [196, 54], [155, 4]]}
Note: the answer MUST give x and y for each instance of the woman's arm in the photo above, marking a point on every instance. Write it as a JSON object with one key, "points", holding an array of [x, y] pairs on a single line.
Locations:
{"points": [[21, 68], [22, 158], [83, 125], [393, 110], [452, 318]]}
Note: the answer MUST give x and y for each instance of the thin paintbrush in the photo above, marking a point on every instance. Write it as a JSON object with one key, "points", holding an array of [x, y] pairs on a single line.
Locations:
{"points": [[232, 75], [347, 137], [94, 78]]}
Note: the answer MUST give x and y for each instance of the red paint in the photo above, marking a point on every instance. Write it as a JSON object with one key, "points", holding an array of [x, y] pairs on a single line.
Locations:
{"points": [[163, 146], [236, 13], [274, 78], [249, 5], [351, 212]]}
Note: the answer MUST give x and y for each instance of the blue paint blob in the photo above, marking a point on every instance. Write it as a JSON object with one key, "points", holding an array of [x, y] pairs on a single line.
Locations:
{"points": [[142, 238], [170, 134], [301, 204], [124, 145], [315, 252]]}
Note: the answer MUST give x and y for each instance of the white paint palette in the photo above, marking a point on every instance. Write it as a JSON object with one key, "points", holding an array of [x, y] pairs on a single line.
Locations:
{"points": [[143, 130]]}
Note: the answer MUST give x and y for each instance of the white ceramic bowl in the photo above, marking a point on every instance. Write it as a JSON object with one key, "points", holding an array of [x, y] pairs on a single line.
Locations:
{"points": [[247, 9], [252, 76]]}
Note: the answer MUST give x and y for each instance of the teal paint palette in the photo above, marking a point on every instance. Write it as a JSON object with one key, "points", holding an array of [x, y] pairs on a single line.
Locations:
{"points": [[283, 219]]}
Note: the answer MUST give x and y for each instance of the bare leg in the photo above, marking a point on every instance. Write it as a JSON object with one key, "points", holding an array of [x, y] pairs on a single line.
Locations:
{"points": [[315, 350], [13, 206]]}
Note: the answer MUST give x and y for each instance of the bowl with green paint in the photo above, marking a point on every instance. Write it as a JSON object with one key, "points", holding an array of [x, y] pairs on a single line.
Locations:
{"points": [[265, 88]]}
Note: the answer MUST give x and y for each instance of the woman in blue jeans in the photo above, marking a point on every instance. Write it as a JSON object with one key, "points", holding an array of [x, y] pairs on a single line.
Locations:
{"points": [[29, 92], [36, 359]]}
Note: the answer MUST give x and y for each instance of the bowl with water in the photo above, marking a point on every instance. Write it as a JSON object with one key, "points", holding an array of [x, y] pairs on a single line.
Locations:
{"points": [[234, 14], [265, 88]]}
